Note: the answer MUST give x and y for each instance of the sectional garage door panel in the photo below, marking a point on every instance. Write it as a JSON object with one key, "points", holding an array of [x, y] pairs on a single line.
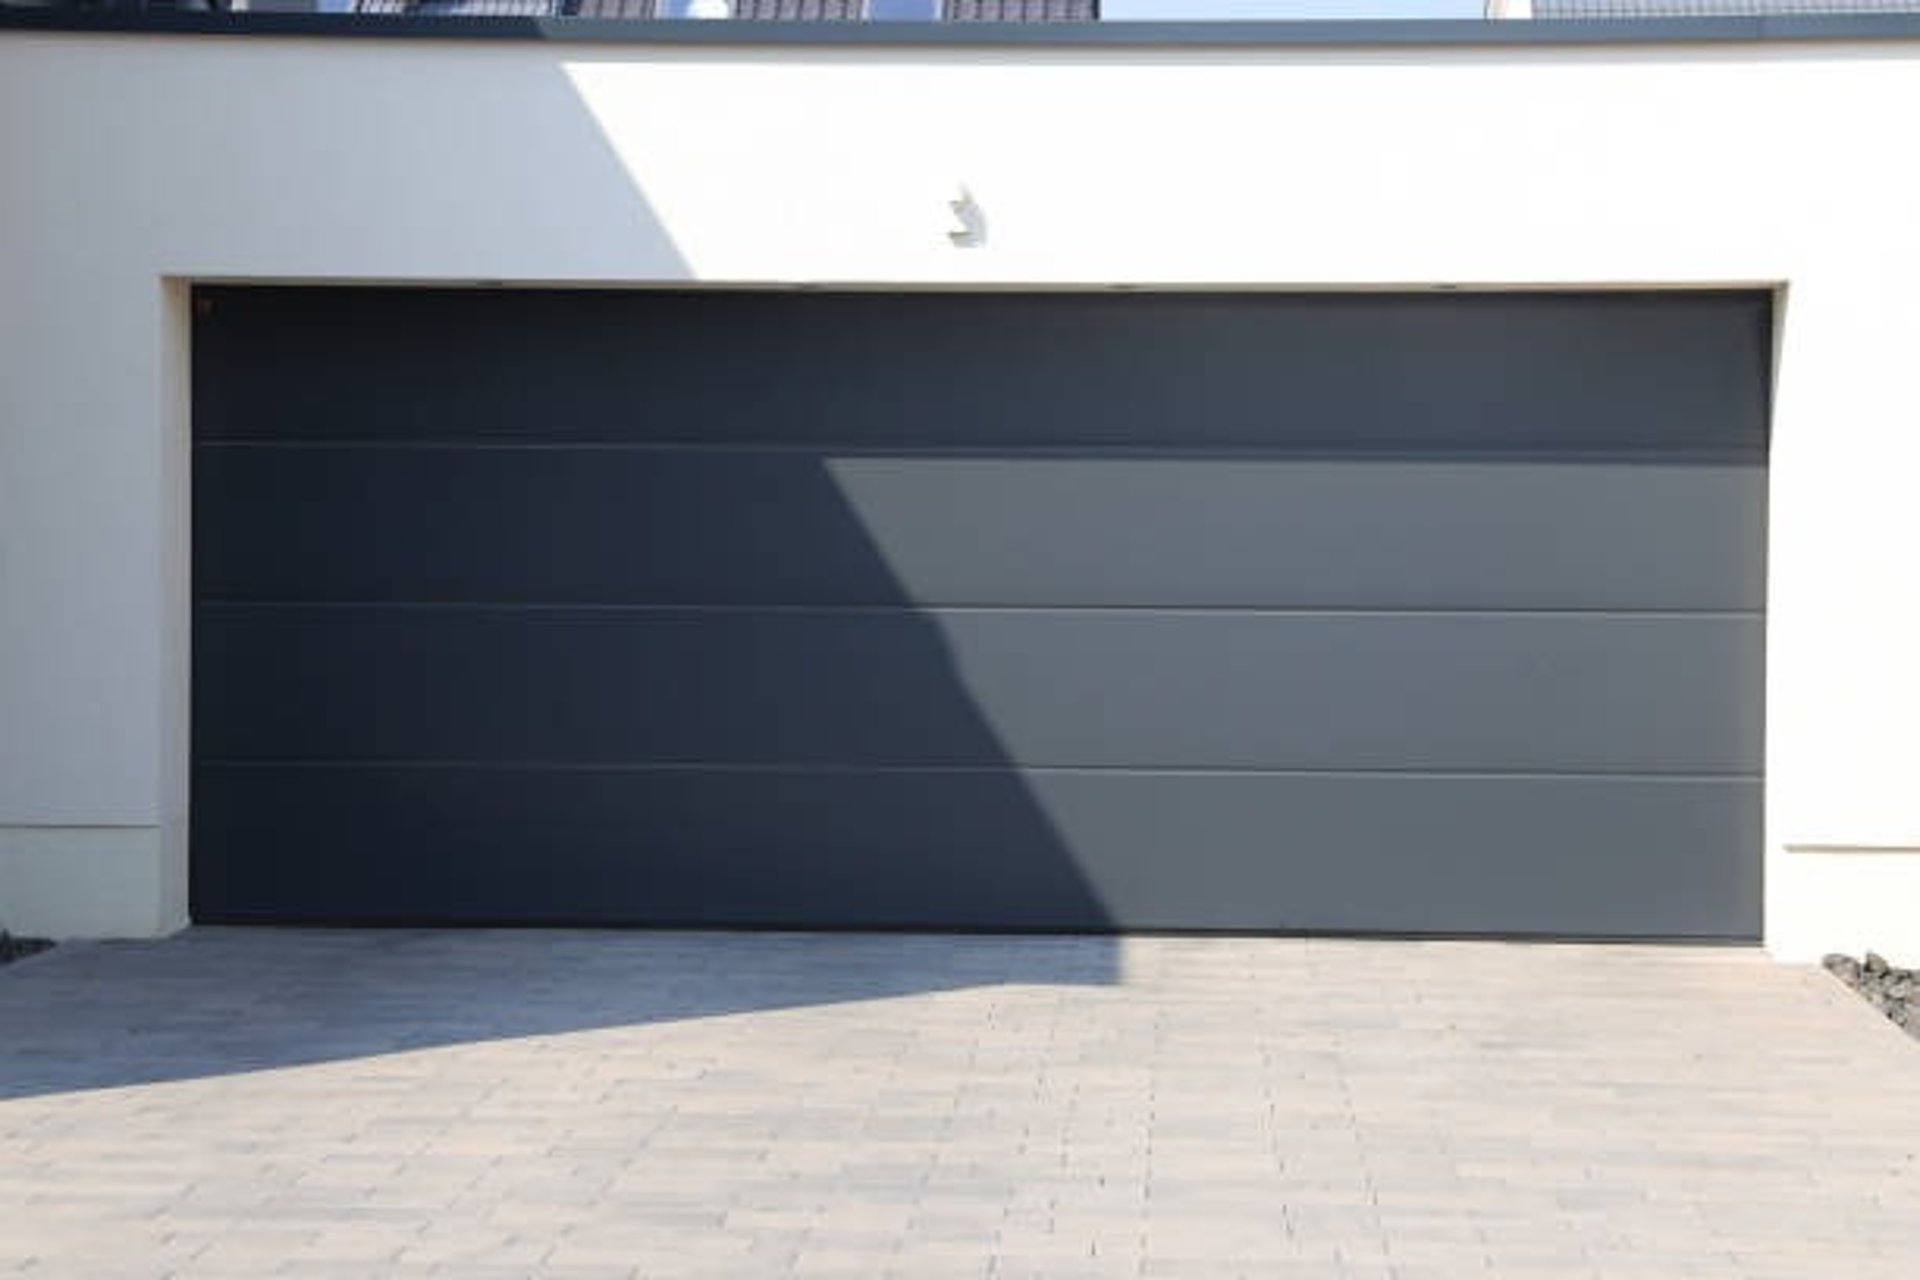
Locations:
{"points": [[1413, 613], [858, 528], [1484, 374], [1140, 689], [1589, 857]]}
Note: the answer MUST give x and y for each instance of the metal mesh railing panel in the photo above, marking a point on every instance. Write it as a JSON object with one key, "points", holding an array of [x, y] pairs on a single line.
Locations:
{"points": [[458, 8], [1021, 11], [799, 10], [609, 9]]}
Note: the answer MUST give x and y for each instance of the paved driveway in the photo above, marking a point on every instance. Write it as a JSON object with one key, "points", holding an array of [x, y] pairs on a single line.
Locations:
{"points": [[250, 1103]]}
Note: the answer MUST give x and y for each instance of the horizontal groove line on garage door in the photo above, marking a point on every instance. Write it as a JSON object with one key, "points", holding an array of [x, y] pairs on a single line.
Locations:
{"points": [[1203, 451], [1331, 611], [775, 767]]}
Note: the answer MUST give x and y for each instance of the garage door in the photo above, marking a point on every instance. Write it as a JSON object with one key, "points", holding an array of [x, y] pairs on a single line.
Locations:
{"points": [[1432, 613]]}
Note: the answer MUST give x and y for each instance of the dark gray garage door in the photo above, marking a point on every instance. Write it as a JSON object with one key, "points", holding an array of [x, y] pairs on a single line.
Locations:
{"points": [[1428, 613]]}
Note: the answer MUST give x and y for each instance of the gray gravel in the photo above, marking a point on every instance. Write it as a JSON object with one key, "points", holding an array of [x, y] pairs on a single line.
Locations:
{"points": [[1894, 992]]}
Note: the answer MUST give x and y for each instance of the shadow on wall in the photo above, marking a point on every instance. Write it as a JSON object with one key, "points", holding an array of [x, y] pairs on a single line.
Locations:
{"points": [[215, 1002], [475, 168]]}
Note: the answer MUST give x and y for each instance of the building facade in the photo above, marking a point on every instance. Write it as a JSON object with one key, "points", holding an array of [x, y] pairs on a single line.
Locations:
{"points": [[1453, 489]]}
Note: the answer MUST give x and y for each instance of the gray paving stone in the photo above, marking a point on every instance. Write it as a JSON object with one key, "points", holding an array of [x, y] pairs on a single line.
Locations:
{"points": [[554, 1104]]}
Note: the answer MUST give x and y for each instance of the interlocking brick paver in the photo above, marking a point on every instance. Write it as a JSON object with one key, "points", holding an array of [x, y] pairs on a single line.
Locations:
{"points": [[554, 1104]]}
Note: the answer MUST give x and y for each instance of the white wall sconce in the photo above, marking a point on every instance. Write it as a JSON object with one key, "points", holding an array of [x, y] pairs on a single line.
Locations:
{"points": [[968, 227]]}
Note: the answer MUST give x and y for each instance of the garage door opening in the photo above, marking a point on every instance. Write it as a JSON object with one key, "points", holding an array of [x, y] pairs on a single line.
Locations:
{"points": [[1427, 614]]}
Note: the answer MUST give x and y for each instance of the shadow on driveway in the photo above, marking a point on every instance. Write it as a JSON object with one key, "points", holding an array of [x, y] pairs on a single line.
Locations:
{"points": [[218, 1001]]}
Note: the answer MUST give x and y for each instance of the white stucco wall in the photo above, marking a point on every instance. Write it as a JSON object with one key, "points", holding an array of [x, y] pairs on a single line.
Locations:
{"points": [[129, 165]]}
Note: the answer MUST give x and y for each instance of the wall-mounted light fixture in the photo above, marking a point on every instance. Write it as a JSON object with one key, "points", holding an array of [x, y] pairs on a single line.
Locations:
{"points": [[968, 229]]}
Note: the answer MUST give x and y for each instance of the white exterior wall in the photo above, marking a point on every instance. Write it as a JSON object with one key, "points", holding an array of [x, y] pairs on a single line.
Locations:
{"points": [[131, 164]]}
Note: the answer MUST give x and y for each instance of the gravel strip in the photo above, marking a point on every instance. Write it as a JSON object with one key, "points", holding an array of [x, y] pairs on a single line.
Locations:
{"points": [[1894, 992], [12, 948]]}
